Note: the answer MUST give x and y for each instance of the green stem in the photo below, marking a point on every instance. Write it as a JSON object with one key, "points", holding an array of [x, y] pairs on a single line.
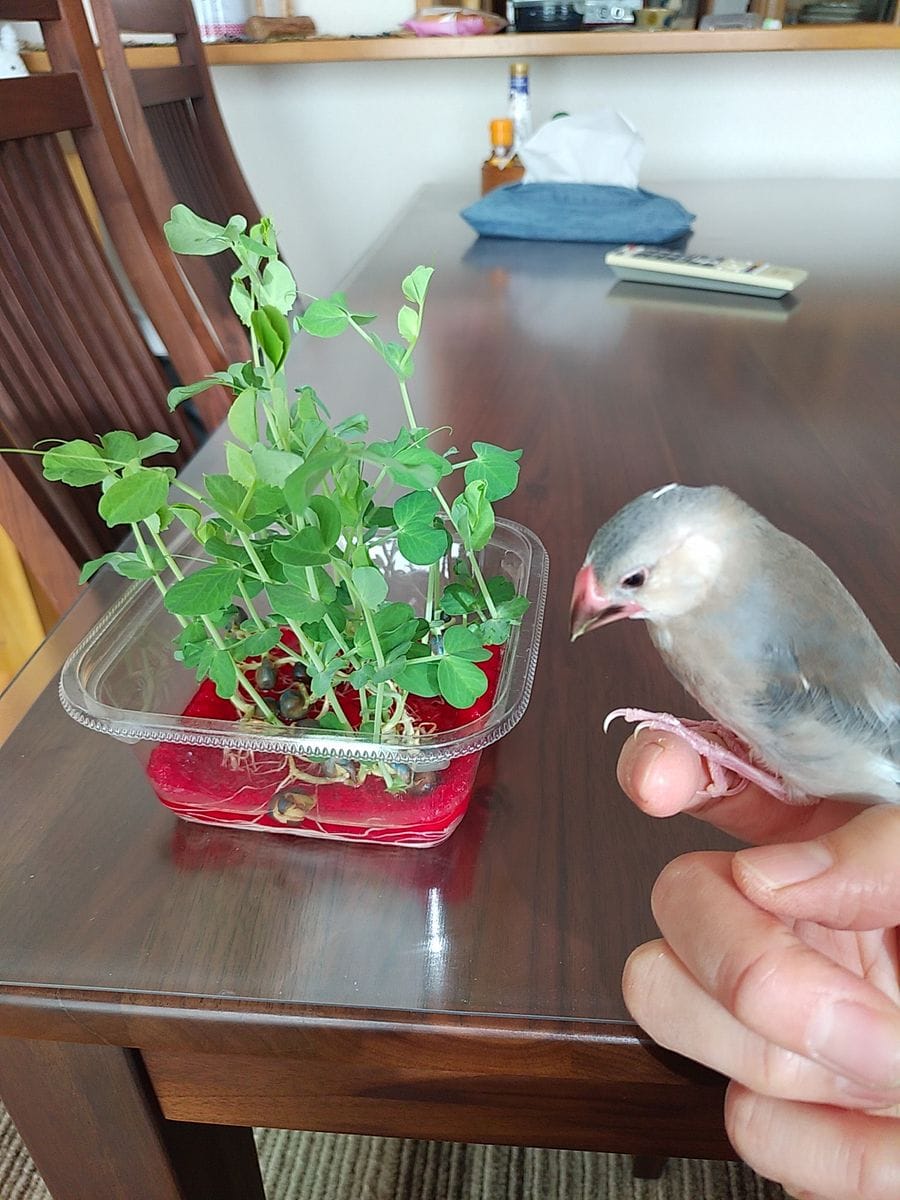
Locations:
{"points": [[470, 555], [431, 592], [145, 555], [308, 649], [189, 491], [251, 611], [407, 404], [214, 634]]}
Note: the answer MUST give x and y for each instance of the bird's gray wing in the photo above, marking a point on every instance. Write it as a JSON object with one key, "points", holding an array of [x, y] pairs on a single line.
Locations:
{"points": [[830, 689]]}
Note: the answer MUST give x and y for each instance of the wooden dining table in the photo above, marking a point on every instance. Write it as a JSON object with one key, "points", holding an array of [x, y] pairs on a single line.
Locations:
{"points": [[165, 986]]}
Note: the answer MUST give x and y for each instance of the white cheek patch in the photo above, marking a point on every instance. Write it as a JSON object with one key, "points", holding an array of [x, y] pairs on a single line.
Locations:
{"points": [[686, 575]]}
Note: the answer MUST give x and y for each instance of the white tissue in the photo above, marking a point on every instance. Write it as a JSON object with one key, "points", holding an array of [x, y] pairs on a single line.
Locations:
{"points": [[598, 147]]}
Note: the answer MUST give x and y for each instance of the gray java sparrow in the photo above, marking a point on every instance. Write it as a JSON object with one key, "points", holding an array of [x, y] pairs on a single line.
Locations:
{"points": [[762, 634]]}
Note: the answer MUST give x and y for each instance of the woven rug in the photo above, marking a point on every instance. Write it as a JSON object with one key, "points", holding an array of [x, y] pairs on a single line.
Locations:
{"points": [[327, 1166]]}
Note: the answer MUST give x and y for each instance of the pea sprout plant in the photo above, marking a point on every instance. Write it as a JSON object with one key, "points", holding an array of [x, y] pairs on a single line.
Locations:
{"points": [[292, 539]]}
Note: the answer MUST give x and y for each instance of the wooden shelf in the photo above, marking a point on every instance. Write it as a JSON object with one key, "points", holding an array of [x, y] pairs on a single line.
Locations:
{"points": [[527, 45]]}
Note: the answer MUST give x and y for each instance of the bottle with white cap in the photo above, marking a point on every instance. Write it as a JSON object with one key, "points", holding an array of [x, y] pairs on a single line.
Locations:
{"points": [[519, 104]]}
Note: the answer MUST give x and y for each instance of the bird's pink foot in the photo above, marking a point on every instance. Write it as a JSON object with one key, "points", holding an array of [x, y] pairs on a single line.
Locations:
{"points": [[728, 759]]}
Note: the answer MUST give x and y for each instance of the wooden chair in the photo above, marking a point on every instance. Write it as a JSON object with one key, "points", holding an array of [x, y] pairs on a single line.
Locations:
{"points": [[73, 362], [173, 125]]}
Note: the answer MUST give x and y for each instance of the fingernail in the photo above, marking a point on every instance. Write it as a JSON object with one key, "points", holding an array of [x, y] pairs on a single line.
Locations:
{"points": [[780, 866], [637, 759], [647, 760], [858, 1042]]}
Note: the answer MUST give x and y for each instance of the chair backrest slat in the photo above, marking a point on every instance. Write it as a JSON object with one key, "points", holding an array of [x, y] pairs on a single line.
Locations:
{"points": [[161, 85], [160, 16], [55, 103], [73, 360], [29, 10], [186, 156]]}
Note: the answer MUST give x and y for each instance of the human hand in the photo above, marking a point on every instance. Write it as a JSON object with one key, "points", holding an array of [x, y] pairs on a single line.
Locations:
{"points": [[779, 967]]}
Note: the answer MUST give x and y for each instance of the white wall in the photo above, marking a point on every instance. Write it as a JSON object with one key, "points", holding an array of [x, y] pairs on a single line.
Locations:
{"points": [[333, 151]]}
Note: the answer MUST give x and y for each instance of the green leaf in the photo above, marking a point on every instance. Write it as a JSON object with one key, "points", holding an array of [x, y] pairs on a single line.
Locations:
{"points": [[278, 286], [498, 468], [266, 500], [76, 463], [241, 301], [461, 682], [457, 600], [329, 518], [395, 626], [130, 565], [120, 447], [500, 588], [223, 673], [473, 516], [274, 466], [179, 394], [260, 642], [408, 462], [371, 585], [304, 549], [206, 591], [156, 443], [187, 233], [408, 323], [379, 517], [240, 464], [423, 544], [226, 495], [493, 632], [394, 355], [358, 423], [299, 486], [272, 333], [294, 603], [514, 609], [191, 518], [461, 642], [415, 285], [242, 417], [323, 582], [324, 319], [330, 720], [420, 678], [135, 497], [420, 540], [255, 247]]}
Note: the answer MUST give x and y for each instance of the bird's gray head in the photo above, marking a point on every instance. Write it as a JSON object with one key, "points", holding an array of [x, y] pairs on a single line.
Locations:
{"points": [[658, 557]]}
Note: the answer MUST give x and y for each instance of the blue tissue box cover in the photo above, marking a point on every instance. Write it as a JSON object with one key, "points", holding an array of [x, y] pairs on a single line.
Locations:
{"points": [[578, 212]]}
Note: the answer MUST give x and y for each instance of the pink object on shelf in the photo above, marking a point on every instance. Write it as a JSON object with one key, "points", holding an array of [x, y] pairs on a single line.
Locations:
{"points": [[453, 22]]}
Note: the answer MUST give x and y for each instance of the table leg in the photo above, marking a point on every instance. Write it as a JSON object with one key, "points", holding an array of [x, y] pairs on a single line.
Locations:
{"points": [[93, 1126]]}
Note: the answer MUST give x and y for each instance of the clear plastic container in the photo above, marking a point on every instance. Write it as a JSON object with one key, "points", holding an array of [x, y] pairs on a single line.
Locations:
{"points": [[122, 680]]}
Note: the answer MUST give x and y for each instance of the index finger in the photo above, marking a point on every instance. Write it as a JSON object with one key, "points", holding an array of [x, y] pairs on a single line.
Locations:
{"points": [[663, 776]]}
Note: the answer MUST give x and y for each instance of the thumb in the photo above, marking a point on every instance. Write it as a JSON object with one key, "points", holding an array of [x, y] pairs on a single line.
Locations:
{"points": [[848, 878]]}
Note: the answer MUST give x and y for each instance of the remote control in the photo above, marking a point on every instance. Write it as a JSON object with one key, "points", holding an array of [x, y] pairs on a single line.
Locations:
{"points": [[649, 264]]}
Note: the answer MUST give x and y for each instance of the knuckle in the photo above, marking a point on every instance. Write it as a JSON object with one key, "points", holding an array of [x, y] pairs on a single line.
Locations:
{"points": [[745, 985]]}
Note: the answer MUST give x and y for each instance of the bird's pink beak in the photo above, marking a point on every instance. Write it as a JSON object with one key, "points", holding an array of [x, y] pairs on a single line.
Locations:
{"points": [[590, 608]]}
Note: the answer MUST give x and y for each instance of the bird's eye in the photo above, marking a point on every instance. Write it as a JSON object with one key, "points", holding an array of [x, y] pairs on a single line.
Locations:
{"points": [[635, 580]]}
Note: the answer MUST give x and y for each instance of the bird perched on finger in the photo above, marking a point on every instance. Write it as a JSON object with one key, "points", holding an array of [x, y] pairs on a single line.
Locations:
{"points": [[762, 634]]}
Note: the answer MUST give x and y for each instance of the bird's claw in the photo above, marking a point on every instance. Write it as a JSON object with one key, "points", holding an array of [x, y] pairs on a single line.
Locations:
{"points": [[727, 759]]}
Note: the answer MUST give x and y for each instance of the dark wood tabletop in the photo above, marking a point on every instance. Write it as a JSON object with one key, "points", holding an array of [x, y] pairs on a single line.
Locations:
{"points": [[184, 977]]}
